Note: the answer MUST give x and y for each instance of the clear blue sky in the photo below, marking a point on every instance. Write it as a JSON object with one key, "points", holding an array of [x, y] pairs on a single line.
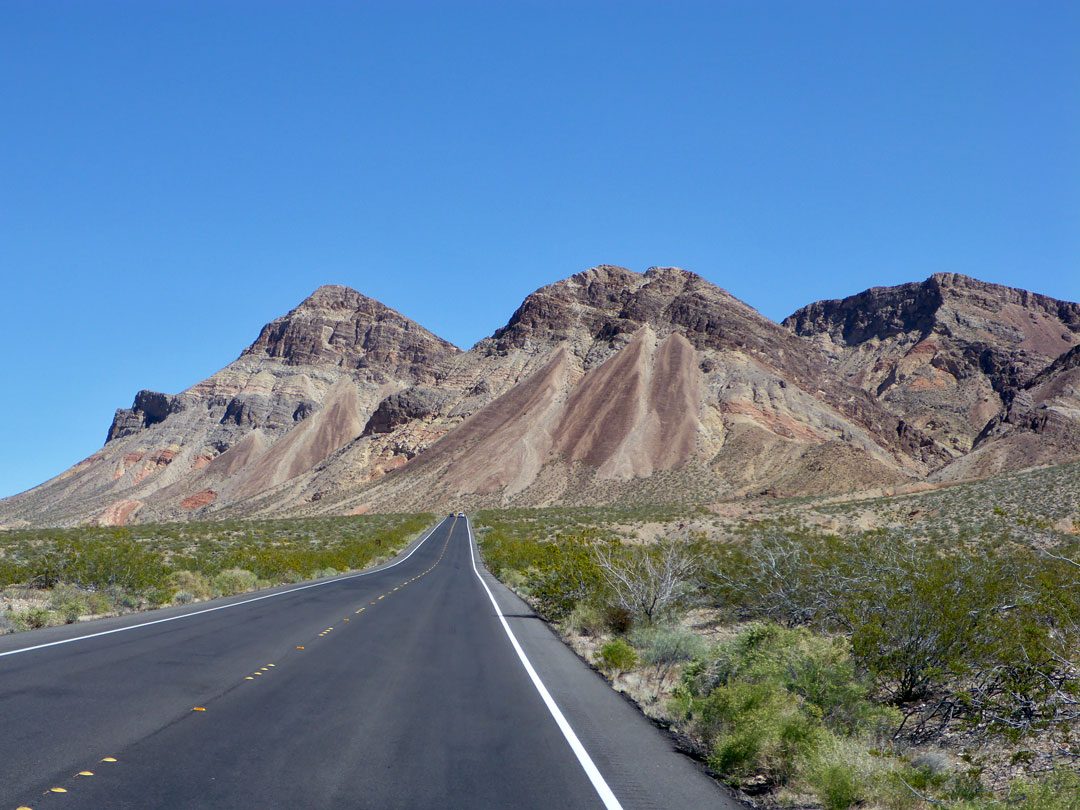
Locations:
{"points": [[175, 174]]}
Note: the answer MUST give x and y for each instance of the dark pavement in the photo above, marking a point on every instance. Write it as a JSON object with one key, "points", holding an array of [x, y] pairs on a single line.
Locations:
{"points": [[415, 698]]}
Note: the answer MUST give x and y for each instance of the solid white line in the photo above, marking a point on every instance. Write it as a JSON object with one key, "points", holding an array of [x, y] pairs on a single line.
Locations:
{"points": [[606, 796], [226, 607]]}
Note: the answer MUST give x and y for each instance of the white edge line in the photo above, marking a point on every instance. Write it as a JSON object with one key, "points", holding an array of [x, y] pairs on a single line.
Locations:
{"points": [[226, 607], [606, 796]]}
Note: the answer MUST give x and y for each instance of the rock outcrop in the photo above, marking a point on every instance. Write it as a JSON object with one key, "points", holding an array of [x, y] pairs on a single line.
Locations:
{"points": [[950, 355]]}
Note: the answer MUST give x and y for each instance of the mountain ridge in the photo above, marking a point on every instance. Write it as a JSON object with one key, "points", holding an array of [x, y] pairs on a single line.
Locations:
{"points": [[606, 385]]}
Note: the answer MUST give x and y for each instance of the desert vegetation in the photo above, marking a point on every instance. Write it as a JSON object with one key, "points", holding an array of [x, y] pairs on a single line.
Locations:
{"points": [[56, 576], [921, 664]]}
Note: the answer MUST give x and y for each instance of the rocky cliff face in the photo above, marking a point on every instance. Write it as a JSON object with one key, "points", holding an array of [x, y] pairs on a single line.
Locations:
{"points": [[948, 355], [608, 386]]}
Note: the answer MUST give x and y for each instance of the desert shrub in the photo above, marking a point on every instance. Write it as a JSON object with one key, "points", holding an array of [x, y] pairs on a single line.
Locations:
{"points": [[36, 618], [71, 611], [98, 602], [194, 584], [767, 699], [663, 647], [838, 786], [759, 728], [233, 581], [587, 620], [616, 656], [844, 774], [69, 602], [1059, 790]]}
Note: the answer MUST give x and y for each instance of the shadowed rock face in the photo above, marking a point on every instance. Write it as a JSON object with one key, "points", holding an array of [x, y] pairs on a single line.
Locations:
{"points": [[150, 407], [608, 385], [403, 407]]}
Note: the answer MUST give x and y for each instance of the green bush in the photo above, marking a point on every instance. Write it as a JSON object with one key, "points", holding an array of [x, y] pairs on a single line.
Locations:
{"points": [[663, 647], [194, 584], [616, 656], [760, 728], [1059, 790], [838, 786], [233, 581], [36, 618], [587, 620], [98, 602], [769, 697]]}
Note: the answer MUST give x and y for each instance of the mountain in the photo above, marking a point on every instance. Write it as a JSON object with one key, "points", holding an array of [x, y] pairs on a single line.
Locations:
{"points": [[982, 368], [302, 390], [609, 386]]}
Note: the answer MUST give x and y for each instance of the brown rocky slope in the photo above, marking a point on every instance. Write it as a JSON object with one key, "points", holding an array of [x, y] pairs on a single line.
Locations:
{"points": [[982, 368], [607, 386]]}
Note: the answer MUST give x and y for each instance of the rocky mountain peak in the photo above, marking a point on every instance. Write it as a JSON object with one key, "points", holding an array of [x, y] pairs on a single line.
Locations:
{"points": [[337, 297], [605, 302], [338, 326]]}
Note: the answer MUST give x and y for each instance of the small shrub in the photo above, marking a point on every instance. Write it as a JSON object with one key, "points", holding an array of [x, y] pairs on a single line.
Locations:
{"points": [[616, 656], [98, 602], [769, 697], [843, 773], [36, 618], [586, 620], [233, 581], [664, 647], [192, 583], [760, 728], [71, 611], [838, 787]]}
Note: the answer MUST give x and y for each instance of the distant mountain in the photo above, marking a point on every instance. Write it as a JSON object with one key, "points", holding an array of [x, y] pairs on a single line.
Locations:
{"points": [[981, 367], [609, 386]]}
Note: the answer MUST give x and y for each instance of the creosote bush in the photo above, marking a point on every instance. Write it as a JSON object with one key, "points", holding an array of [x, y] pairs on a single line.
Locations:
{"points": [[233, 581], [767, 700], [616, 656]]}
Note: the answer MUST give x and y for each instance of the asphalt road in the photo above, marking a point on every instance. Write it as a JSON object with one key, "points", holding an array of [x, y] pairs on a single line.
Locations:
{"points": [[396, 688]]}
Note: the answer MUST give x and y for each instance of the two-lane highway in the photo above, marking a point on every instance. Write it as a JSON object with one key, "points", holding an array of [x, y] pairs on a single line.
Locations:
{"points": [[397, 688]]}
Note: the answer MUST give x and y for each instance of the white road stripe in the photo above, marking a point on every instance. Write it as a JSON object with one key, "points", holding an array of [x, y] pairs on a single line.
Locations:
{"points": [[225, 607], [606, 796]]}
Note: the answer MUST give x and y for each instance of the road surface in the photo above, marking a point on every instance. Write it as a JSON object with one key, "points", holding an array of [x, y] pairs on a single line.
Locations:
{"points": [[395, 688]]}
